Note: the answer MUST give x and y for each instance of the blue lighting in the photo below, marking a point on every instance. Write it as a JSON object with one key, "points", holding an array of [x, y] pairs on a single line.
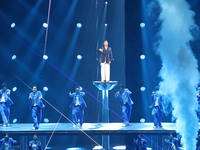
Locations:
{"points": [[45, 89], [79, 25], [106, 2], [142, 56], [14, 89], [45, 57], [14, 120], [45, 25], [142, 120], [75, 148], [142, 88], [46, 120], [79, 57], [106, 25], [14, 57], [122, 147], [142, 25], [12, 25]]}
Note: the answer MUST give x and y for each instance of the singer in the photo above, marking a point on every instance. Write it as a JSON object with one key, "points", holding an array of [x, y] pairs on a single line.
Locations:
{"points": [[105, 60]]}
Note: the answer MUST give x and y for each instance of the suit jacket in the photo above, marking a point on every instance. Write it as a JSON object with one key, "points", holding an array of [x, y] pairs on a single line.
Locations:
{"points": [[8, 102], [106, 55], [127, 94], [38, 99], [158, 95], [172, 144], [37, 144], [81, 100], [140, 144], [10, 142]]}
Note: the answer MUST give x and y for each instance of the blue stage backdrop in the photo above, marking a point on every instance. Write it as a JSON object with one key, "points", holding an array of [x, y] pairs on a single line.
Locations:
{"points": [[76, 28]]}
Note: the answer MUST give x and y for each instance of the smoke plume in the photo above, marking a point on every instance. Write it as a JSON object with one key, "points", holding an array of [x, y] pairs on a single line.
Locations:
{"points": [[179, 70]]}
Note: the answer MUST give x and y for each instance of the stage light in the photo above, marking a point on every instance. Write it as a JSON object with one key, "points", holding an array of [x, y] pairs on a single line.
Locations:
{"points": [[12, 25], [122, 147], [49, 148], [79, 25], [14, 57], [106, 2], [142, 88], [99, 147], [142, 25], [142, 56], [106, 25], [45, 25], [75, 148], [45, 57], [142, 120], [46, 120], [79, 57], [45, 89], [14, 120], [14, 89]]}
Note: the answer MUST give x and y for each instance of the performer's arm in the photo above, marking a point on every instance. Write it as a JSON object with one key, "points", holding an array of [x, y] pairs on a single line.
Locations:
{"points": [[8, 93], [117, 94], [127, 91], [13, 141], [100, 49], [82, 93], [71, 94], [40, 95], [30, 97]]}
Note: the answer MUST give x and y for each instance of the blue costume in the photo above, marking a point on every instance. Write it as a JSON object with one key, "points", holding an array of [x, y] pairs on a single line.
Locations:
{"points": [[198, 143], [78, 105], [7, 143], [36, 106], [34, 145], [125, 103], [172, 144], [198, 99], [5, 103], [140, 144], [157, 111]]}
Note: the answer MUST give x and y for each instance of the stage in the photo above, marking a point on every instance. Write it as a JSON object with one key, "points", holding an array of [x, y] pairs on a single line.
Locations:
{"points": [[154, 136], [90, 128]]}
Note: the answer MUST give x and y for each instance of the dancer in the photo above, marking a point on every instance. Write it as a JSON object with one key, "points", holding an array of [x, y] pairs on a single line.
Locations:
{"points": [[7, 143], [140, 143], [34, 144], [78, 105], [5, 103], [125, 102], [105, 60], [36, 105], [172, 142], [157, 111], [198, 99]]}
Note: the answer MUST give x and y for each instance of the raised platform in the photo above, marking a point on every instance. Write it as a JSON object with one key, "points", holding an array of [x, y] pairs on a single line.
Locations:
{"points": [[90, 128]]}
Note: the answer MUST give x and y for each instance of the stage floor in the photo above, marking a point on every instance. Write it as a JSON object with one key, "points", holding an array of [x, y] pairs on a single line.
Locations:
{"points": [[90, 128]]}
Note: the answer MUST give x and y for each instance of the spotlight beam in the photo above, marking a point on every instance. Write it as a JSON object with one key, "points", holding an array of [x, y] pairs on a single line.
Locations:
{"points": [[53, 132], [47, 29]]}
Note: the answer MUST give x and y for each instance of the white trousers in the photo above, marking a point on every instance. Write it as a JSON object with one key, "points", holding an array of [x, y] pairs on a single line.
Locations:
{"points": [[105, 72]]}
